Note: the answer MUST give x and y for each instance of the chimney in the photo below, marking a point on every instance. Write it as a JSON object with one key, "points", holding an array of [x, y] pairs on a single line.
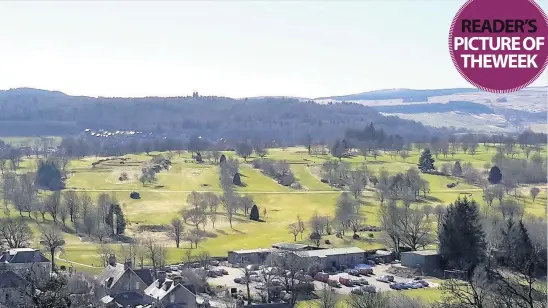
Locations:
{"points": [[161, 278], [127, 264], [112, 260], [6, 256], [177, 280]]}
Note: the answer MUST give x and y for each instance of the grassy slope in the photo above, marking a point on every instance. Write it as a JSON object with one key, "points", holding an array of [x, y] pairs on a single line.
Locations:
{"points": [[162, 201]]}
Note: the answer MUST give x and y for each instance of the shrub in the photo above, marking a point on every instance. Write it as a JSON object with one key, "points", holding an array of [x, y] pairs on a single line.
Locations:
{"points": [[371, 235], [134, 195], [254, 214]]}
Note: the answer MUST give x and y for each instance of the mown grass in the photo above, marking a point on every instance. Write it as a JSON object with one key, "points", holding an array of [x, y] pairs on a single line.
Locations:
{"points": [[163, 200]]}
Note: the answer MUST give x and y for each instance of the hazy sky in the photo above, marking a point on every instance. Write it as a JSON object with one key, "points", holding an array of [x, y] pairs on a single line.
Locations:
{"points": [[231, 48]]}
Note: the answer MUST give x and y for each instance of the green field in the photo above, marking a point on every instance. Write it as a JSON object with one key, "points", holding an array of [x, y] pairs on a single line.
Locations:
{"points": [[163, 200]]}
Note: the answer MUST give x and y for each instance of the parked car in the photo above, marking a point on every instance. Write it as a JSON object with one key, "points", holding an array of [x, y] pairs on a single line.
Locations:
{"points": [[260, 287], [223, 271], [346, 281], [423, 283], [369, 289], [252, 267], [386, 278], [352, 272], [357, 291], [323, 277], [238, 280], [214, 262], [395, 286], [333, 283], [363, 281]]}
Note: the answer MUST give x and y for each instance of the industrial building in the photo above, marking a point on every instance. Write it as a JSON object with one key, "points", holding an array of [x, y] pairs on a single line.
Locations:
{"points": [[250, 256], [334, 257], [428, 261]]}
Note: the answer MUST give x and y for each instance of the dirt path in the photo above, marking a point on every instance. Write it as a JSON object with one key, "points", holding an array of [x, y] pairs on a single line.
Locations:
{"points": [[72, 262]]}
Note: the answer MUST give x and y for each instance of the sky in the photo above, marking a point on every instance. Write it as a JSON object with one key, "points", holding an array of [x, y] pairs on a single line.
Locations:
{"points": [[228, 48]]}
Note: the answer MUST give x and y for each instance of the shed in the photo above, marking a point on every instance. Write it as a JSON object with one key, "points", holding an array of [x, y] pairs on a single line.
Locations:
{"points": [[426, 260], [383, 256]]}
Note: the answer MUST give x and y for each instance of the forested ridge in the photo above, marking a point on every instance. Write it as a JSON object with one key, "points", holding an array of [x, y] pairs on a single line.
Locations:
{"points": [[31, 112]]}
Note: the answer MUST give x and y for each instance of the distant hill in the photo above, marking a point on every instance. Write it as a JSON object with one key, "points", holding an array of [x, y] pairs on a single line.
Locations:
{"points": [[407, 95], [452, 106], [34, 112]]}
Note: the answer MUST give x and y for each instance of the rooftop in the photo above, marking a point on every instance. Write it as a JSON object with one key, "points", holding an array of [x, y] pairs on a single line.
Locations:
{"points": [[159, 290], [331, 252], [422, 252], [290, 246], [23, 255], [252, 250]]}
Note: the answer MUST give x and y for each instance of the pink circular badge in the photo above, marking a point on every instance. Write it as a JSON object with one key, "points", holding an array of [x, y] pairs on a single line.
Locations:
{"points": [[499, 45]]}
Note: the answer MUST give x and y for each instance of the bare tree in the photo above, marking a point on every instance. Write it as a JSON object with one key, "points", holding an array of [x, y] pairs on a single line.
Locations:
{"points": [[294, 230], [288, 267], [155, 252], [368, 300], [328, 298], [231, 206], [534, 193], [52, 239], [196, 216], [15, 232], [176, 230], [415, 228], [72, 203], [474, 293], [389, 217], [195, 199], [356, 220], [85, 204], [104, 251], [302, 225], [308, 140]]}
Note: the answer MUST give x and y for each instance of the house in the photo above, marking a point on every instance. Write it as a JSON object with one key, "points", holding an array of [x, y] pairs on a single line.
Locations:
{"points": [[251, 256], [120, 279], [20, 259], [170, 293], [13, 289], [428, 261], [334, 257], [126, 299]]}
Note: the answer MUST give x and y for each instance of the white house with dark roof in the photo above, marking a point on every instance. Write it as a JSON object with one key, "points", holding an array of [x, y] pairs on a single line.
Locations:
{"points": [[19, 259], [13, 289], [170, 293], [122, 285]]}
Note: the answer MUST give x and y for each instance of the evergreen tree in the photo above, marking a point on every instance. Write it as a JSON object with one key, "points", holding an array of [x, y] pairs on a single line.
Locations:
{"points": [[337, 150], [254, 214], [48, 175], [115, 209], [495, 176], [426, 162], [457, 169], [461, 238], [236, 180]]}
